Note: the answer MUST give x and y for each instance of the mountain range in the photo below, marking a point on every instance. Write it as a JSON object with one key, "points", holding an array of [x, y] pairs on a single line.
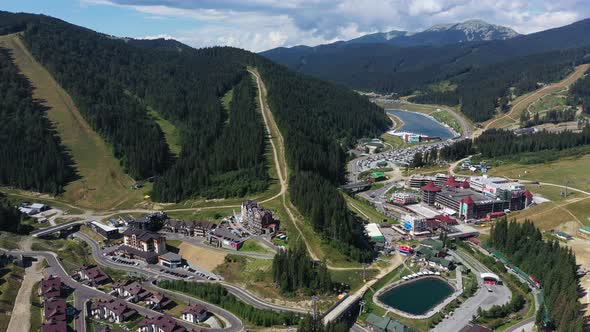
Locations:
{"points": [[468, 31], [521, 61]]}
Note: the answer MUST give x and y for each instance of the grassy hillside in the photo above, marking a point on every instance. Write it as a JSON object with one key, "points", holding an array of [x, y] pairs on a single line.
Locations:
{"points": [[103, 184]]}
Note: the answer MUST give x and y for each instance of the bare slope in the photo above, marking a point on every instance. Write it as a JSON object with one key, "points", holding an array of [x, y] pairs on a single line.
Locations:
{"points": [[103, 184]]}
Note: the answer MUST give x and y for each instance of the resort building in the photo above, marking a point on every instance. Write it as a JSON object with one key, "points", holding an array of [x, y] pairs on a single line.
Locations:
{"points": [[258, 220], [131, 290], [144, 241], [189, 228], [159, 324], [54, 305], [374, 233], [223, 238], [195, 313], [113, 310], [385, 324], [107, 231], [54, 311], [414, 224], [402, 198], [51, 287], [93, 274], [158, 301], [170, 260]]}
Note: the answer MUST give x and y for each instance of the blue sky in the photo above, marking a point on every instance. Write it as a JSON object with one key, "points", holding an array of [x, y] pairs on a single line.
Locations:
{"points": [[262, 24]]}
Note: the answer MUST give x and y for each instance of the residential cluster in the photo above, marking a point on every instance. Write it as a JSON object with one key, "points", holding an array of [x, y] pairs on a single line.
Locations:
{"points": [[54, 305]]}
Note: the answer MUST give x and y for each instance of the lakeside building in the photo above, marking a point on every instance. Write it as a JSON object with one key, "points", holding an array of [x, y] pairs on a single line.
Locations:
{"points": [[385, 324], [258, 220]]}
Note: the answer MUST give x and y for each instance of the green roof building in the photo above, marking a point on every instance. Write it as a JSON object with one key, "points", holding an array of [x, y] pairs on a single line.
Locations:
{"points": [[386, 324], [434, 244], [377, 175]]}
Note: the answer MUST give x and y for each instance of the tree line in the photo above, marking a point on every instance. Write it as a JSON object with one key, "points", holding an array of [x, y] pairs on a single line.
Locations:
{"points": [[580, 93], [552, 265], [235, 163], [113, 80], [551, 116], [218, 295], [293, 270], [11, 217], [32, 155], [494, 143], [318, 122]]}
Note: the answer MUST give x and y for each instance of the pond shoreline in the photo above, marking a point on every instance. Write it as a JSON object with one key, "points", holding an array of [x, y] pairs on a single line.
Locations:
{"points": [[432, 127], [438, 307]]}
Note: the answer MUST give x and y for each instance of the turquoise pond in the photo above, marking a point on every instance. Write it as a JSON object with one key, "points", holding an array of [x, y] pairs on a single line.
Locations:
{"points": [[421, 124], [417, 297]]}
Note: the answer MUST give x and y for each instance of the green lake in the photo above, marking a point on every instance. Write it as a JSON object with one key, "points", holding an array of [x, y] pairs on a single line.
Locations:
{"points": [[417, 297]]}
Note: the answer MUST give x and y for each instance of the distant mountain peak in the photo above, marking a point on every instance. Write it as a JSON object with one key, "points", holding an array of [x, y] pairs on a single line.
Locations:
{"points": [[476, 30], [440, 34]]}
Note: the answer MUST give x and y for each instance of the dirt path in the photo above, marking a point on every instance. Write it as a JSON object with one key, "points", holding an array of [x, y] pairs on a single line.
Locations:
{"points": [[282, 168], [536, 95], [21, 313]]}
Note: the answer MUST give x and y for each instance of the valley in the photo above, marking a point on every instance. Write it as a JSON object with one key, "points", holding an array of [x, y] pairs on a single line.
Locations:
{"points": [[151, 185]]}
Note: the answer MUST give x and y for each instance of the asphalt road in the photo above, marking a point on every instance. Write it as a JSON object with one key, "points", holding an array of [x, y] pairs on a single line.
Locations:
{"points": [[242, 294], [83, 293], [483, 298]]}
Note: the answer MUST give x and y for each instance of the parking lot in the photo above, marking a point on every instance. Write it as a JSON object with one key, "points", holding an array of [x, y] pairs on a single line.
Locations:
{"points": [[397, 156]]}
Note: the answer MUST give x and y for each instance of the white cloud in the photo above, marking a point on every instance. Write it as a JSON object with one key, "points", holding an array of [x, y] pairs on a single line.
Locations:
{"points": [[262, 24]]}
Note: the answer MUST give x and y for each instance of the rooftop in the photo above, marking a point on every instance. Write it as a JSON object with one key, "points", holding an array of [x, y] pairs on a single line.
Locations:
{"points": [[463, 193], [142, 235], [430, 187], [171, 257], [373, 230], [194, 309], [226, 234], [104, 227]]}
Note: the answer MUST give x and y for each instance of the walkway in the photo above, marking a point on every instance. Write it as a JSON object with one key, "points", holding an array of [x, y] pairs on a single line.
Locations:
{"points": [[21, 313]]}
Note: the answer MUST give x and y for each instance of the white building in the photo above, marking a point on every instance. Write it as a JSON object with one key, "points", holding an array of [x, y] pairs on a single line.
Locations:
{"points": [[195, 313]]}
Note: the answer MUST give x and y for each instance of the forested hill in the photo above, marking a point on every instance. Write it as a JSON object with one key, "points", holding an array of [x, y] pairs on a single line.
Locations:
{"points": [[115, 80], [403, 70], [31, 154]]}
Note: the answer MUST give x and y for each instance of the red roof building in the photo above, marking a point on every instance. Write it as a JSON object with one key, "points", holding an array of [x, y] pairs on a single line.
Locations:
{"points": [[429, 192], [452, 183], [51, 287], [430, 187], [162, 323]]}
